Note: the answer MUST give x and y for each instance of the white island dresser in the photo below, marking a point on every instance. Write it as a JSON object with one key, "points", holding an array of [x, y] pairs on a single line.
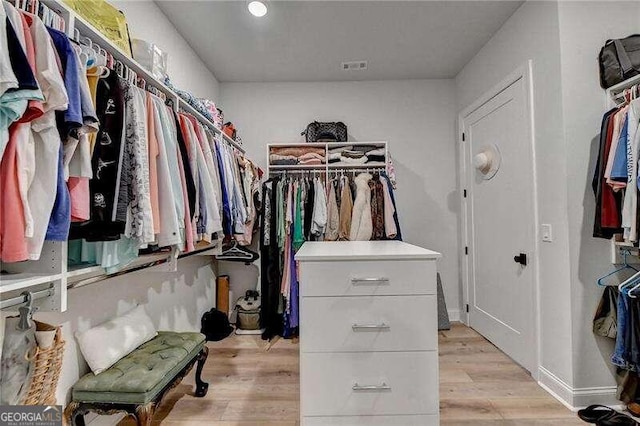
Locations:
{"points": [[368, 334]]}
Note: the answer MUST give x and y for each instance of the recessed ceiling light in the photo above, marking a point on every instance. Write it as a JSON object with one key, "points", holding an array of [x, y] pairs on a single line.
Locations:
{"points": [[257, 8]]}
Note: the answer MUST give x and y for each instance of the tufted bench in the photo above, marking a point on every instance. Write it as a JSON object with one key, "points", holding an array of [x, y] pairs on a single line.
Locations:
{"points": [[137, 383]]}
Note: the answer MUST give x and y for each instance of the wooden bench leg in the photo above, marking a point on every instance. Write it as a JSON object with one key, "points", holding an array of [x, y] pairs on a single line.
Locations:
{"points": [[201, 386], [144, 414]]}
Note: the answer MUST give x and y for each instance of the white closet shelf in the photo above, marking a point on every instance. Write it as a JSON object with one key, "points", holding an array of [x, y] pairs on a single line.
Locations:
{"points": [[328, 146], [377, 164], [354, 143], [186, 106], [298, 144], [12, 282], [83, 272], [298, 166], [79, 273]]}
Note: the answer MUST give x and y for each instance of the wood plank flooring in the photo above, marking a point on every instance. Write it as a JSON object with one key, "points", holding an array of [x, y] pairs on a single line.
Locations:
{"points": [[252, 383]]}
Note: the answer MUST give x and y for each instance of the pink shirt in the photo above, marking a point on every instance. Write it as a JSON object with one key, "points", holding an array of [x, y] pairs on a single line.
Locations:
{"points": [[80, 198], [154, 152], [13, 245]]}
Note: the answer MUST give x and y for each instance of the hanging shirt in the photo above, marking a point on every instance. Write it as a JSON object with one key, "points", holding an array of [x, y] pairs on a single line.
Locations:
{"points": [[389, 185], [389, 211], [172, 154], [190, 189], [68, 124], [169, 233], [630, 203], [14, 103], [73, 114], [47, 194], [106, 223], [319, 217], [77, 151], [618, 120], [361, 225], [8, 79], [298, 202], [227, 220], [346, 210], [619, 175], [333, 215], [139, 224]]}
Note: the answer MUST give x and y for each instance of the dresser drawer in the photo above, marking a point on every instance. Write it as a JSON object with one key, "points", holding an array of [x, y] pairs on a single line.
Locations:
{"points": [[354, 278], [431, 420], [368, 323], [368, 383]]}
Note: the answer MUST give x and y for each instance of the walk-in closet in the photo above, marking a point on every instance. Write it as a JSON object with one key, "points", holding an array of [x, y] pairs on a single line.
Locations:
{"points": [[266, 212]]}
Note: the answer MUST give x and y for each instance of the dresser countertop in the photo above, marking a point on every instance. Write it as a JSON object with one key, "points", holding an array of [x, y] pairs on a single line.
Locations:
{"points": [[318, 251]]}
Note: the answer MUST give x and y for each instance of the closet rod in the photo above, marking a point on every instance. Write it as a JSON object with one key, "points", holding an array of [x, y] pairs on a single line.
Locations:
{"points": [[616, 92], [19, 300], [99, 278], [187, 108]]}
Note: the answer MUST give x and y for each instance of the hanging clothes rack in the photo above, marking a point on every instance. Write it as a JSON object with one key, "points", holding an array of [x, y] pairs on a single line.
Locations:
{"points": [[24, 297], [54, 268], [616, 94]]}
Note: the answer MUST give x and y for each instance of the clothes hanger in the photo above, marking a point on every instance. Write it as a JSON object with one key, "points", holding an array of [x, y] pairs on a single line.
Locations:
{"points": [[26, 312], [629, 281]]}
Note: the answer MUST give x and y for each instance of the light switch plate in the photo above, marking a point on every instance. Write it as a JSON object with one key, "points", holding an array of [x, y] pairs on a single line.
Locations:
{"points": [[547, 233]]}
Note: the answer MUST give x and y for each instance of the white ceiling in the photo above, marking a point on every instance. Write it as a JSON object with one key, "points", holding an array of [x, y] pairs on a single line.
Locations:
{"points": [[308, 40]]}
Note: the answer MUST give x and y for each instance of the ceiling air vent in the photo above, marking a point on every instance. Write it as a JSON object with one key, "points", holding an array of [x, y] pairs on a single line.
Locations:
{"points": [[354, 66]]}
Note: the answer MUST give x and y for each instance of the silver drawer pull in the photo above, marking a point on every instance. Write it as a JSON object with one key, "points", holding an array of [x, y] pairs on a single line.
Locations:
{"points": [[382, 387], [365, 281], [381, 326]]}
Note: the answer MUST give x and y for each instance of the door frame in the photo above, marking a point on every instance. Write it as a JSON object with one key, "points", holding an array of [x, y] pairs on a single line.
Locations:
{"points": [[525, 73]]}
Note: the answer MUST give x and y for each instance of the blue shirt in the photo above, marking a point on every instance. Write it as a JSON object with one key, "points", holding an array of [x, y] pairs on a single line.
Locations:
{"points": [[619, 169], [60, 220], [73, 114]]}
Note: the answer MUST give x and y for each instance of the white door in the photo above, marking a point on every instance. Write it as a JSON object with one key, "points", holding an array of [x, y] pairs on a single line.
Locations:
{"points": [[500, 221]]}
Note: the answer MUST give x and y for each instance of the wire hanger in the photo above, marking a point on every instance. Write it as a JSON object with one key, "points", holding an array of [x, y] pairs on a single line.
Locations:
{"points": [[625, 265]]}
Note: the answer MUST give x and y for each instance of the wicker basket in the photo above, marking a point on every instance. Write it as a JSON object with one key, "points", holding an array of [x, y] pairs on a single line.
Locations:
{"points": [[46, 369]]}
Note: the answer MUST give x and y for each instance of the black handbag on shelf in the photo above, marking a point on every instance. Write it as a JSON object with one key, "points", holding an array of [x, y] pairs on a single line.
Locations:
{"points": [[619, 60], [326, 132]]}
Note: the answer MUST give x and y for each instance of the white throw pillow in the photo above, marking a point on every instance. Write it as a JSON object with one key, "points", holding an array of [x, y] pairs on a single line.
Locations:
{"points": [[104, 345]]}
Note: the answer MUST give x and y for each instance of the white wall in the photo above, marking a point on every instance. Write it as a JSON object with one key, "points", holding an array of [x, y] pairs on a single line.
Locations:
{"points": [[532, 34], [584, 28], [186, 70], [174, 300], [417, 117]]}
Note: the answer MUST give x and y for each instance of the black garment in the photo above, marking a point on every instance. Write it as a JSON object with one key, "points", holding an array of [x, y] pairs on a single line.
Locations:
{"points": [[375, 158], [308, 210], [597, 182], [270, 319], [105, 162], [188, 176], [19, 63]]}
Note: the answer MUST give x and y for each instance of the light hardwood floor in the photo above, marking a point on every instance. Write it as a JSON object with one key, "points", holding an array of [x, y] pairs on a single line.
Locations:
{"points": [[254, 384]]}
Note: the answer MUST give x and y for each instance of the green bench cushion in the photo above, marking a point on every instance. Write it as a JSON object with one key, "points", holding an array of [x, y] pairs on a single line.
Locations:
{"points": [[141, 375]]}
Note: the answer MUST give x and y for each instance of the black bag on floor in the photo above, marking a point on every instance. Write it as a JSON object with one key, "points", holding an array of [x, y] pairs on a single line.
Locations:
{"points": [[326, 132], [619, 60], [215, 325]]}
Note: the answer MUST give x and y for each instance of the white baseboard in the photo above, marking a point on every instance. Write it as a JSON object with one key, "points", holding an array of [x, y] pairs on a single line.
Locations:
{"points": [[454, 315], [576, 398]]}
